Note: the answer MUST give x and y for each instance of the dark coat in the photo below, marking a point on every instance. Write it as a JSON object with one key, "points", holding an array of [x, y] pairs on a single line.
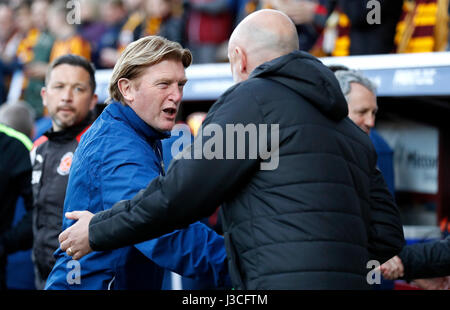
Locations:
{"points": [[313, 222], [426, 260], [52, 158]]}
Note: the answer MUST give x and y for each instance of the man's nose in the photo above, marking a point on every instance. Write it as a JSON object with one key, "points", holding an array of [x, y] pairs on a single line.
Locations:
{"points": [[369, 121], [67, 94], [176, 94]]}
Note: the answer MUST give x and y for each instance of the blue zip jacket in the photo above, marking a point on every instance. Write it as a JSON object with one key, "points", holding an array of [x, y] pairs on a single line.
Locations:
{"points": [[119, 155]]}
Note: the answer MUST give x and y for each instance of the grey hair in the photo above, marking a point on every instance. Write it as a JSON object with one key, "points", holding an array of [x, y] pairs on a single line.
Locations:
{"points": [[345, 77]]}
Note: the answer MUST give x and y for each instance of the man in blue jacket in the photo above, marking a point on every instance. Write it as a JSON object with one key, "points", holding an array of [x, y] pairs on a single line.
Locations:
{"points": [[120, 154]]}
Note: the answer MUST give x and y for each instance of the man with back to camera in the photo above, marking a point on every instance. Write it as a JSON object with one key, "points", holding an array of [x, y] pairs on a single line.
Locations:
{"points": [[278, 223]]}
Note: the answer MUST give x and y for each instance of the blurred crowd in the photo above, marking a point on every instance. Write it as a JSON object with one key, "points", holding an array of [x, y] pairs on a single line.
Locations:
{"points": [[33, 33]]}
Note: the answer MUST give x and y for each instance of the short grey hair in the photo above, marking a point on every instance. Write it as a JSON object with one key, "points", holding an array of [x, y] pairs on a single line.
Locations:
{"points": [[19, 116], [345, 77]]}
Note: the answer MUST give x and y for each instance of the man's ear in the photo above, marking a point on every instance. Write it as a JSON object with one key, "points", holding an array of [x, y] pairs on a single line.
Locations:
{"points": [[94, 101], [125, 88], [43, 96], [242, 63]]}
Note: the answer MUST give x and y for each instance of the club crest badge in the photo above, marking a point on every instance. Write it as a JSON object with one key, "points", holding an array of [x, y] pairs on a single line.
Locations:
{"points": [[64, 166]]}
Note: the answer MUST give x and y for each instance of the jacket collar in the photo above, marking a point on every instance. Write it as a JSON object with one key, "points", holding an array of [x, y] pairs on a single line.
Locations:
{"points": [[141, 127]]}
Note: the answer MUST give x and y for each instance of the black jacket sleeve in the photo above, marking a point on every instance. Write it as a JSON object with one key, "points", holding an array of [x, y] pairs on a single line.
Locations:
{"points": [[20, 237], [386, 238], [426, 260], [192, 188]]}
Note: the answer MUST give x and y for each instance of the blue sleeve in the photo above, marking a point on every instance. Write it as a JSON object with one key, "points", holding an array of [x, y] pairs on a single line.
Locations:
{"points": [[126, 170], [117, 171], [197, 251]]}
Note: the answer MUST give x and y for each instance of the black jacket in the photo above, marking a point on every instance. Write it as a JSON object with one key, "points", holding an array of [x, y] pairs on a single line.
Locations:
{"points": [[312, 223], [426, 260], [15, 176], [51, 164]]}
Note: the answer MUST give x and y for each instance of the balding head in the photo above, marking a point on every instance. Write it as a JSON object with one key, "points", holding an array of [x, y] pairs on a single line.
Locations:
{"points": [[262, 36]]}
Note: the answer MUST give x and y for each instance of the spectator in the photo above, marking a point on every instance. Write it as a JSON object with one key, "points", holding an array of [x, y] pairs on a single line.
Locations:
{"points": [[9, 40], [67, 41], [34, 54], [114, 15], [309, 16], [208, 27], [165, 18], [423, 26], [15, 182], [276, 219], [356, 36], [162, 17], [131, 31], [91, 28], [124, 147]]}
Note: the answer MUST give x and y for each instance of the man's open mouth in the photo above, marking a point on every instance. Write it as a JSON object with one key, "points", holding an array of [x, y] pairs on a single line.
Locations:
{"points": [[170, 111]]}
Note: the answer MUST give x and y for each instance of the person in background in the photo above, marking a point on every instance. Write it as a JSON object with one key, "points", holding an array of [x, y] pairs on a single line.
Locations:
{"points": [[114, 15], [360, 94], [92, 26], [19, 116], [10, 37], [19, 268], [208, 26], [69, 98], [422, 27], [361, 27], [34, 54], [309, 17], [15, 182], [67, 40]]}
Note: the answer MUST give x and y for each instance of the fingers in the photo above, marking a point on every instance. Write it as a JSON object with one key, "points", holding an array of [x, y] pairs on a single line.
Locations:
{"points": [[63, 239], [392, 269], [65, 245], [75, 215], [399, 266]]}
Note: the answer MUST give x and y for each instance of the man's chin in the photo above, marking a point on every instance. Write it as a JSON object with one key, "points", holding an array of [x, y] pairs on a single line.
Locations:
{"points": [[64, 123]]}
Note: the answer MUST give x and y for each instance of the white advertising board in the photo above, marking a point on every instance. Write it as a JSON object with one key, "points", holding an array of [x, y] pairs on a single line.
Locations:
{"points": [[416, 151]]}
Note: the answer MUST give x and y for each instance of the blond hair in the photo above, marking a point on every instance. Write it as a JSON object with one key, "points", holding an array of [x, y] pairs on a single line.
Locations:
{"points": [[141, 54]]}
